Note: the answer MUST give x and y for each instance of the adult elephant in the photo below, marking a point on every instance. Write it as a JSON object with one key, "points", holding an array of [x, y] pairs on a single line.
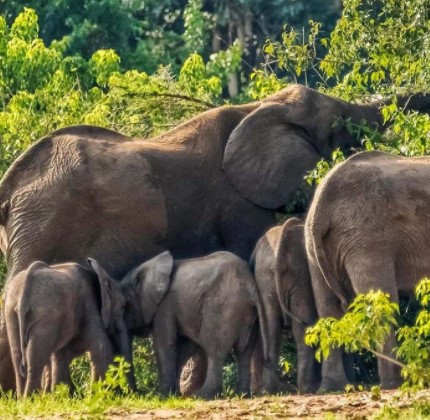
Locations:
{"points": [[211, 183], [368, 227]]}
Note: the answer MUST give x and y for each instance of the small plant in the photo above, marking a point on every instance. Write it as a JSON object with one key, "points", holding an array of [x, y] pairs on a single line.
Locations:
{"points": [[376, 392]]}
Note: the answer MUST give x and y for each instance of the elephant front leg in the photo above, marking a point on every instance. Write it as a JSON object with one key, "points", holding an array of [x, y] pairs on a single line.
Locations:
{"points": [[213, 384], [165, 348]]}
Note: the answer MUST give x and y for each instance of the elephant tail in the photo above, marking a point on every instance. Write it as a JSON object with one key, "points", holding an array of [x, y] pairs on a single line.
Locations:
{"points": [[317, 228], [262, 320], [24, 310]]}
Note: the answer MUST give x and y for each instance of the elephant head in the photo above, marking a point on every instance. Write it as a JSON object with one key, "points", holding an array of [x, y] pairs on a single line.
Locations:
{"points": [[272, 148], [113, 304], [144, 288]]}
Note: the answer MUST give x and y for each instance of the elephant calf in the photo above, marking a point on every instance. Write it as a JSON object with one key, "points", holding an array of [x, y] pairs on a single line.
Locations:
{"points": [[61, 311], [209, 302], [284, 284]]}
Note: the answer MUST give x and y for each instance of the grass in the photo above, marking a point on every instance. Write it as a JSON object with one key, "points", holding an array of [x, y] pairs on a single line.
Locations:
{"points": [[59, 403]]}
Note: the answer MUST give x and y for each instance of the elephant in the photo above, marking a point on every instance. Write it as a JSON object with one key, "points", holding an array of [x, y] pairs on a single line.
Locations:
{"points": [[208, 302], [283, 280], [368, 228], [86, 190], [62, 310]]}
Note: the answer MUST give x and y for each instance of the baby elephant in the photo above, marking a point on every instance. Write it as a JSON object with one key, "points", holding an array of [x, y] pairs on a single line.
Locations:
{"points": [[62, 310], [211, 302], [284, 283]]}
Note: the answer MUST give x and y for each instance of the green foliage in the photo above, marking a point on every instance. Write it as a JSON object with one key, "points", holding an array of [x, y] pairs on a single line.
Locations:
{"points": [[194, 77], [372, 316], [196, 24], [262, 84], [315, 176]]}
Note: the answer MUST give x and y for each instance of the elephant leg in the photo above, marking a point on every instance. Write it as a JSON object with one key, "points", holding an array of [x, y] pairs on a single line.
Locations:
{"points": [[193, 375], [307, 370], [165, 348], [15, 351], [257, 366], [213, 384], [37, 358], [274, 334], [389, 373], [333, 376], [47, 377], [7, 375], [101, 355], [243, 360], [367, 274], [61, 369]]}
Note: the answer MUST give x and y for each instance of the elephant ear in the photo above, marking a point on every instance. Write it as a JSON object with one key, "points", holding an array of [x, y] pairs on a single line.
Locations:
{"points": [[153, 281], [106, 292], [266, 156]]}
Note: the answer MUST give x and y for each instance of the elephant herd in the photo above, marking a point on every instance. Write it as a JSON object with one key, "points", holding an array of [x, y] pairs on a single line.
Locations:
{"points": [[107, 236]]}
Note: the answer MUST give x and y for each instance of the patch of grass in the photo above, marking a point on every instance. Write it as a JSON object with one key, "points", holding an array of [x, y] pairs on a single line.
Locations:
{"points": [[95, 400]]}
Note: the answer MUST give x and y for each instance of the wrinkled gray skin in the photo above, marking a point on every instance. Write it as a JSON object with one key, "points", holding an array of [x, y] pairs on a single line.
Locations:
{"points": [[86, 190], [368, 228], [211, 304], [55, 310], [283, 280]]}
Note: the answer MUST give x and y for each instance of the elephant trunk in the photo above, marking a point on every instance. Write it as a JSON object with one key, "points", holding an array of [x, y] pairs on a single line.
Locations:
{"points": [[416, 102]]}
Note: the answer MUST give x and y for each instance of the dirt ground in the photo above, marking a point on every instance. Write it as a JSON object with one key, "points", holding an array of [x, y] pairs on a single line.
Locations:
{"points": [[356, 405]]}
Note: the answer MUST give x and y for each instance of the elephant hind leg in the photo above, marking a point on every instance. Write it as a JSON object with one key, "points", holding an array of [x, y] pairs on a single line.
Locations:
{"points": [[60, 369], [333, 376], [14, 347], [37, 358], [243, 355], [369, 274]]}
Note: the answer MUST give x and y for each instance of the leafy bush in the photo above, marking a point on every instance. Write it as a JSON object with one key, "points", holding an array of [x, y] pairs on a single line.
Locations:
{"points": [[372, 317]]}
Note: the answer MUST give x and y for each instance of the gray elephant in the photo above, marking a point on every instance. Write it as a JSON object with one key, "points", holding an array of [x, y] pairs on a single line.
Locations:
{"points": [[209, 303], [55, 310], [186, 190], [368, 228], [283, 280]]}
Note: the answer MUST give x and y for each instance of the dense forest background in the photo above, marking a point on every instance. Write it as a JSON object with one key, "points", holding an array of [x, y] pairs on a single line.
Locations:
{"points": [[150, 33]]}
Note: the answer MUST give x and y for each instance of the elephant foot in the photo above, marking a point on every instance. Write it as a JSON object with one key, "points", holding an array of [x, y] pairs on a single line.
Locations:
{"points": [[331, 385], [243, 392], [390, 375], [208, 394], [392, 383], [308, 389]]}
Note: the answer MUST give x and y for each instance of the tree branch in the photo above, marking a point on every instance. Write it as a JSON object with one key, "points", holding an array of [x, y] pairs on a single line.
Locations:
{"points": [[183, 97]]}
